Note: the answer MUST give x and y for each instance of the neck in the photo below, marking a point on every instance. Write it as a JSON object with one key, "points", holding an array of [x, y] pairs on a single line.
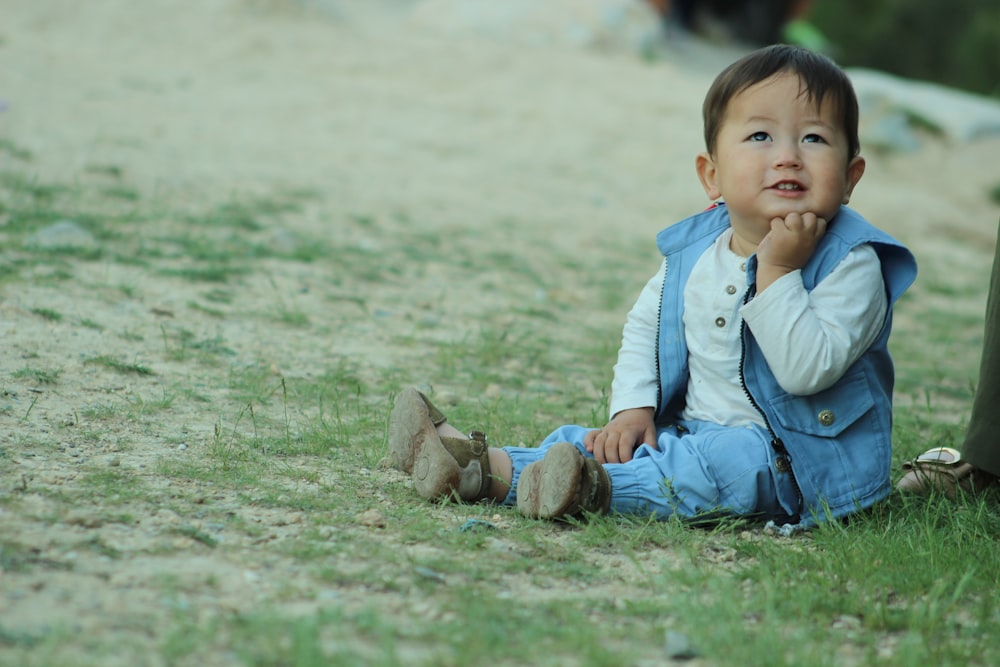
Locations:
{"points": [[742, 246]]}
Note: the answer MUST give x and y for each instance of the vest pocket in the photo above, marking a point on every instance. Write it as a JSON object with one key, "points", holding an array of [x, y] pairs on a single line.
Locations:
{"points": [[829, 412]]}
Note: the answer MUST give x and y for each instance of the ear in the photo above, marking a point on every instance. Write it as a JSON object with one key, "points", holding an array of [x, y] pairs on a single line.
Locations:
{"points": [[855, 170], [708, 174]]}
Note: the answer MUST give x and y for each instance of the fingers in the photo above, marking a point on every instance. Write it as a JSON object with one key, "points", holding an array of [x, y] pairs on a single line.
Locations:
{"points": [[626, 446], [594, 443], [649, 437], [804, 223], [609, 446], [606, 447]]}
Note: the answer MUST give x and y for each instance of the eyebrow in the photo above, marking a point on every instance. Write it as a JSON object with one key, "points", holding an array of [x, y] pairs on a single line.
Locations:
{"points": [[809, 121]]}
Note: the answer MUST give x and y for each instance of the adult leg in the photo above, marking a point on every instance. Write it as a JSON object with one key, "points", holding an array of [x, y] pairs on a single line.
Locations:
{"points": [[982, 440], [940, 468]]}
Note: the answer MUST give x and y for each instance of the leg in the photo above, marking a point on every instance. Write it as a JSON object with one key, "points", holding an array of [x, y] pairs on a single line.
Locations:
{"points": [[982, 440], [943, 469], [710, 470]]}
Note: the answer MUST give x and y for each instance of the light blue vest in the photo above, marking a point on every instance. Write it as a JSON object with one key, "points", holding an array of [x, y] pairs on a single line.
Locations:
{"points": [[837, 441]]}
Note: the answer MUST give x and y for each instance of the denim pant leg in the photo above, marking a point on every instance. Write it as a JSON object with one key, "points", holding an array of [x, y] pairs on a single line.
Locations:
{"points": [[706, 470], [709, 468]]}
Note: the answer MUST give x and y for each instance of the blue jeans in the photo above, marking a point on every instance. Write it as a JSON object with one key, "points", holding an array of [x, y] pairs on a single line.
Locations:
{"points": [[704, 470]]}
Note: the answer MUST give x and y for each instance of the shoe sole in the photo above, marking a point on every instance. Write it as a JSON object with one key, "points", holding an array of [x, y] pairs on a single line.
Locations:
{"points": [[436, 474], [550, 488], [407, 423], [417, 449]]}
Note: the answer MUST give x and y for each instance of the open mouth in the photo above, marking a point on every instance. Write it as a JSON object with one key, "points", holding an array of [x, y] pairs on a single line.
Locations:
{"points": [[788, 186]]}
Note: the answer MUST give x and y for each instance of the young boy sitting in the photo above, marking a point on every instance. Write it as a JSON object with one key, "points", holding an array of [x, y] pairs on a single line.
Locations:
{"points": [[754, 377]]}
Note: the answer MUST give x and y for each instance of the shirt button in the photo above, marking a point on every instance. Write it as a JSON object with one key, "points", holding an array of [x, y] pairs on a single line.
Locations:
{"points": [[826, 417], [730, 289], [720, 322], [743, 266]]}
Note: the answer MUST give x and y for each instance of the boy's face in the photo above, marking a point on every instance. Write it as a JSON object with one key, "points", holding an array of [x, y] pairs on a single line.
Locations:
{"points": [[778, 153]]}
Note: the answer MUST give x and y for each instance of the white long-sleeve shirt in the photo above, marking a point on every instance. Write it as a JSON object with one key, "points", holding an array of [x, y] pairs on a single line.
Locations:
{"points": [[809, 339]]}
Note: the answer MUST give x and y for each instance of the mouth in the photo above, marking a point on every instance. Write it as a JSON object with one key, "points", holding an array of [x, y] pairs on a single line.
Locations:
{"points": [[788, 186]]}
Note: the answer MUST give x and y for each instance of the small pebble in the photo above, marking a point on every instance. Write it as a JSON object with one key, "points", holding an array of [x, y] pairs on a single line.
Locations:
{"points": [[678, 646], [428, 573], [477, 524], [372, 518]]}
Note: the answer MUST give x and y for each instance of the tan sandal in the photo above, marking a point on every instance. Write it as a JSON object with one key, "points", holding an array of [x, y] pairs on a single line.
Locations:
{"points": [[441, 467], [940, 469], [413, 416], [564, 483]]}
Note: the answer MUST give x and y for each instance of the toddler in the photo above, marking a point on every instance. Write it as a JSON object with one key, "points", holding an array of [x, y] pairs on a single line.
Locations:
{"points": [[754, 377]]}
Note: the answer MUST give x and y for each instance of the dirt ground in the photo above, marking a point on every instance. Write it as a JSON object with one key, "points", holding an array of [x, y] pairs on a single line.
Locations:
{"points": [[521, 135]]}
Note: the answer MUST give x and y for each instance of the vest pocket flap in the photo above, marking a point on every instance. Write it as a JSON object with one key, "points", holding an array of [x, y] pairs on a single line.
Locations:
{"points": [[830, 411]]}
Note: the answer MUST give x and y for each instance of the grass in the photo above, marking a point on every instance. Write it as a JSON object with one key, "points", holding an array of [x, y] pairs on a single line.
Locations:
{"points": [[38, 376], [235, 501], [47, 314], [115, 364]]}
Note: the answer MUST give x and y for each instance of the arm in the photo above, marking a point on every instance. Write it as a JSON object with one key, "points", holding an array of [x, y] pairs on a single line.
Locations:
{"points": [[634, 383], [810, 339], [634, 388]]}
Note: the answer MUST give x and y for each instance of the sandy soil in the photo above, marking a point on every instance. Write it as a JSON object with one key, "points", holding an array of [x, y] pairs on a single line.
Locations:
{"points": [[524, 135]]}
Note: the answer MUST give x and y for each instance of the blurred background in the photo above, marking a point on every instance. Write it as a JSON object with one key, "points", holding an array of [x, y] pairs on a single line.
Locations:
{"points": [[955, 43]]}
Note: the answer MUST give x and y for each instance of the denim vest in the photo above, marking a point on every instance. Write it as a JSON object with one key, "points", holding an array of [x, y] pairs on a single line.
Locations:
{"points": [[837, 441]]}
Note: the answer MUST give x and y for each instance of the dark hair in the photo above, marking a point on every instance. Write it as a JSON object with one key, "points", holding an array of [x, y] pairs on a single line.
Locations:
{"points": [[819, 77]]}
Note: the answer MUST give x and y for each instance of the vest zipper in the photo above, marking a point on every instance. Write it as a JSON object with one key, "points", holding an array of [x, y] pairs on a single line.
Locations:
{"points": [[783, 460], [656, 350]]}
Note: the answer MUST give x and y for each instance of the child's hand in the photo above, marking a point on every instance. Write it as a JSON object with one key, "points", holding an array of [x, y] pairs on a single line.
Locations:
{"points": [[616, 442], [788, 246]]}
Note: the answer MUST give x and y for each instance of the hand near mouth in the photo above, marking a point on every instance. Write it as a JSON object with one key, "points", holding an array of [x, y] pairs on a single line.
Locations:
{"points": [[788, 246]]}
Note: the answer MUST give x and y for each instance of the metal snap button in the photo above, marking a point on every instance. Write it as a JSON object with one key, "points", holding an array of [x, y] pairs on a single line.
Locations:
{"points": [[826, 417], [720, 321], [730, 289], [477, 442]]}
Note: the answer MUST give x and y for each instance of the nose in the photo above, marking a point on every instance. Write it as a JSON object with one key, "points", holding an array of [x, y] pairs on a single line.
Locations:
{"points": [[786, 155]]}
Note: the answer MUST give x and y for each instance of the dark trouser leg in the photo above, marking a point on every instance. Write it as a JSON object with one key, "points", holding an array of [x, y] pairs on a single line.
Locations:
{"points": [[982, 440]]}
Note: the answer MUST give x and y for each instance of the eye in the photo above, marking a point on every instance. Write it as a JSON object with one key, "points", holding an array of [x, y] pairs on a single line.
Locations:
{"points": [[759, 136], [813, 139]]}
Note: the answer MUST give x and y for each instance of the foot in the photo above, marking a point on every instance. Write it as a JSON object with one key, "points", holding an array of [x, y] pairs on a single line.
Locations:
{"points": [[441, 467], [942, 470], [413, 420], [562, 484]]}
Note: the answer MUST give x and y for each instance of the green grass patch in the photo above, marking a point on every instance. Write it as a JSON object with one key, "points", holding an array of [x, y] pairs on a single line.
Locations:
{"points": [[116, 364], [38, 376], [264, 458], [48, 314]]}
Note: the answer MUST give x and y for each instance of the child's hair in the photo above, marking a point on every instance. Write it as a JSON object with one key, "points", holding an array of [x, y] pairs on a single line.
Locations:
{"points": [[819, 77]]}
